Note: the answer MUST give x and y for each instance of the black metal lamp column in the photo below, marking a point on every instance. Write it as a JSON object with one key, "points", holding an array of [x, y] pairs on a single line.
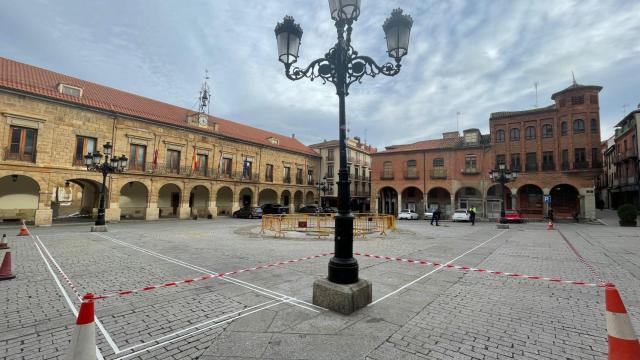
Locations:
{"points": [[342, 66], [502, 175], [111, 164]]}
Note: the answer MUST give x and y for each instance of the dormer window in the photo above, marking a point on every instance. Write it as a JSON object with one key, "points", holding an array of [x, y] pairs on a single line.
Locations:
{"points": [[70, 90], [274, 141]]}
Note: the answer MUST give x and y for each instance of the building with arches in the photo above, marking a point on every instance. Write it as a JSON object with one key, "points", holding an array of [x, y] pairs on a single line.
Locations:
{"points": [[183, 163], [555, 149]]}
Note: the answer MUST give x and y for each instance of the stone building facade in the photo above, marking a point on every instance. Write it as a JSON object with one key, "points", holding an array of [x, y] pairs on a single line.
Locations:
{"points": [[359, 161], [181, 163], [555, 149]]}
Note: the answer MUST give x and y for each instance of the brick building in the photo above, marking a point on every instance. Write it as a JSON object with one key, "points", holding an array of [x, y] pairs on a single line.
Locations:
{"points": [[359, 161], [182, 162], [556, 150]]}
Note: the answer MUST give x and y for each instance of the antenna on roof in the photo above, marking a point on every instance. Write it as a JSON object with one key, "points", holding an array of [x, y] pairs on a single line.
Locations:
{"points": [[204, 100], [536, 86], [574, 77]]}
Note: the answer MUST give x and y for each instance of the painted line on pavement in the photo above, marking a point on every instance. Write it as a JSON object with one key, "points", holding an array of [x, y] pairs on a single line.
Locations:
{"points": [[436, 269], [256, 288]]}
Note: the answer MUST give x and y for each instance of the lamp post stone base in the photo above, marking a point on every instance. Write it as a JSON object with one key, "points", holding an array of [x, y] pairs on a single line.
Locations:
{"points": [[342, 298], [99, 228]]}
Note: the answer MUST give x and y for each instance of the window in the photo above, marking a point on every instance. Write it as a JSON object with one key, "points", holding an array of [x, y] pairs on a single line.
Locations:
{"points": [[309, 177], [268, 175], [515, 162], [226, 166], [532, 162], [70, 90], [286, 178], [564, 128], [500, 136], [23, 144], [580, 158], [514, 134], [84, 145], [137, 157], [578, 126], [438, 162], [330, 171], [593, 99], [330, 155], [547, 131], [412, 171], [547, 161], [173, 161], [247, 169], [500, 159], [203, 163], [387, 170], [470, 163], [565, 159], [594, 126], [299, 176], [530, 133], [577, 100]]}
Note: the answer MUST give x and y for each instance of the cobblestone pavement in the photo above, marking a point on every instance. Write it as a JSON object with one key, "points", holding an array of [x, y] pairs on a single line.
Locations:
{"points": [[266, 313]]}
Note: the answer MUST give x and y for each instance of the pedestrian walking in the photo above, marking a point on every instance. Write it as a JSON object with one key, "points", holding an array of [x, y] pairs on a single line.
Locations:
{"points": [[472, 215], [435, 216], [550, 214]]}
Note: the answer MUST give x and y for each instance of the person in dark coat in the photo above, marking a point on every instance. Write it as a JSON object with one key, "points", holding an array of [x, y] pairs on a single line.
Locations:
{"points": [[435, 216], [472, 215]]}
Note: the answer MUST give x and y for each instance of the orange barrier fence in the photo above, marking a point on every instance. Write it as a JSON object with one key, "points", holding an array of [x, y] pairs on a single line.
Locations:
{"points": [[324, 224]]}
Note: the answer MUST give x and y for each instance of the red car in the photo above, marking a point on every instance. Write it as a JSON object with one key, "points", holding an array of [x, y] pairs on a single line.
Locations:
{"points": [[512, 216]]}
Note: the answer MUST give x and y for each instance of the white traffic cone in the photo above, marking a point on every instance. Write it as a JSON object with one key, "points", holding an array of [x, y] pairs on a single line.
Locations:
{"points": [[623, 342], [83, 342]]}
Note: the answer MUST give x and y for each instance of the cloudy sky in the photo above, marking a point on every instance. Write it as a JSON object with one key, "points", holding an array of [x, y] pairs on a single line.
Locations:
{"points": [[473, 57]]}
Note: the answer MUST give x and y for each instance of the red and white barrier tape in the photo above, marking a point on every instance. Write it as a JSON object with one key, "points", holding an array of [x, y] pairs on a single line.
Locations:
{"points": [[204, 277], [492, 272], [587, 264], [64, 276]]}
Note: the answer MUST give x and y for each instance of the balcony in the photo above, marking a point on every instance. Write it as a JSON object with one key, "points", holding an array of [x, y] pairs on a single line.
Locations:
{"points": [[580, 165], [411, 174], [438, 173], [386, 175], [299, 181], [626, 155], [596, 164], [470, 171], [548, 166]]}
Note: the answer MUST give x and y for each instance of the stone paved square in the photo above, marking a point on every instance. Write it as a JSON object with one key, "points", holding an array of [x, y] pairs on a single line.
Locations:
{"points": [[417, 311]]}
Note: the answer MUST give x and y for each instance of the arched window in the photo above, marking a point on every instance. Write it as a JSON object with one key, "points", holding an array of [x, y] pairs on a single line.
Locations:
{"points": [[564, 128], [387, 170], [578, 126], [547, 131], [530, 133], [594, 125], [514, 134], [412, 171], [500, 136]]}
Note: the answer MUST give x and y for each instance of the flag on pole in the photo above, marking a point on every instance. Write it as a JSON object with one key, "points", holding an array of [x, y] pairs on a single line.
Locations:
{"points": [[155, 156], [194, 159]]}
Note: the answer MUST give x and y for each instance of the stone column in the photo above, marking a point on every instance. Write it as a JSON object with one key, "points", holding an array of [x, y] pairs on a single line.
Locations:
{"points": [[399, 204], [453, 205], [213, 209], [44, 214], [184, 212], [588, 203], [374, 205], [152, 212], [112, 214]]}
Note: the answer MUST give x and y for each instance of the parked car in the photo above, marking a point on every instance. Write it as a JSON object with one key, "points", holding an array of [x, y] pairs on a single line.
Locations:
{"points": [[512, 216], [408, 215], [274, 209], [309, 209], [330, 210], [428, 214], [248, 213], [460, 215]]}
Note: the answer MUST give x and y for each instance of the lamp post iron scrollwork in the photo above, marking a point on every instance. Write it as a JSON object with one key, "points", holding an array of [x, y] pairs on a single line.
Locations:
{"points": [[111, 164], [342, 66], [502, 175]]}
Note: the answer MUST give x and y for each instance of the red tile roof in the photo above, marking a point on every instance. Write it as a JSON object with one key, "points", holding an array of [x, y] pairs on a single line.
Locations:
{"points": [[33, 80], [423, 145]]}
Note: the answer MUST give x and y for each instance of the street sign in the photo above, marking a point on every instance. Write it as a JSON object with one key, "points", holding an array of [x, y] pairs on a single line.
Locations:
{"points": [[547, 199]]}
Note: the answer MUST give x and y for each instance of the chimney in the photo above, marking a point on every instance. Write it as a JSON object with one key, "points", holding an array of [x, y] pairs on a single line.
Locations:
{"points": [[293, 136]]}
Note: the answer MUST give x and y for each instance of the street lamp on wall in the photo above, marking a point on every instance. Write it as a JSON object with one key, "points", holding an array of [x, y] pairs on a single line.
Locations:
{"points": [[342, 65], [110, 165]]}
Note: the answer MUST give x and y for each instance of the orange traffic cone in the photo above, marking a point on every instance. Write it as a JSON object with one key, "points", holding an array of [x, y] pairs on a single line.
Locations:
{"points": [[3, 242], [23, 230], [5, 268], [550, 225], [83, 341], [623, 342]]}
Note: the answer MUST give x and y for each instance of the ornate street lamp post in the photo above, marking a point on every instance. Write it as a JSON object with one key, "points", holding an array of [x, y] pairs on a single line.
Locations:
{"points": [[323, 187], [111, 164], [342, 66], [502, 175]]}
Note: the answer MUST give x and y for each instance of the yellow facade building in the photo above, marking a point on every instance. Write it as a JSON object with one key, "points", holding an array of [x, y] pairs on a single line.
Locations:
{"points": [[182, 163]]}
